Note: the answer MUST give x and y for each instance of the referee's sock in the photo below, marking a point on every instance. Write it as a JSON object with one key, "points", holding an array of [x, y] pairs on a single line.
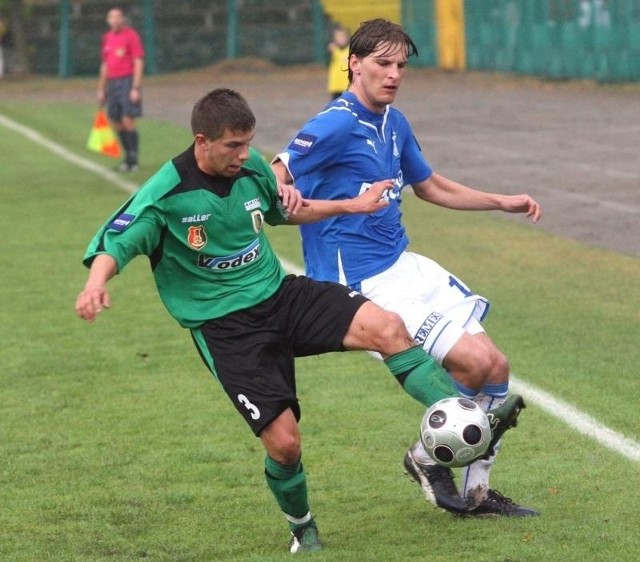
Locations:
{"points": [[132, 153], [129, 140], [124, 140], [421, 375], [288, 484]]}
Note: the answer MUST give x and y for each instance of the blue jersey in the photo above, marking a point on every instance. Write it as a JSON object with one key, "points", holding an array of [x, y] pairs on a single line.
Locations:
{"points": [[337, 155]]}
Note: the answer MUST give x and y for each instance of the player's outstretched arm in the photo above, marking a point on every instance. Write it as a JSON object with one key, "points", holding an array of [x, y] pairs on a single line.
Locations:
{"points": [[371, 201], [95, 297], [442, 191]]}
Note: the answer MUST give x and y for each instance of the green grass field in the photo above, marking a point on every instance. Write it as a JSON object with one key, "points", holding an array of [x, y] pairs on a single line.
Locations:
{"points": [[116, 444]]}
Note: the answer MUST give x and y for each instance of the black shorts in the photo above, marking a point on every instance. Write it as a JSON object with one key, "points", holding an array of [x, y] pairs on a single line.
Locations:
{"points": [[118, 103], [251, 352]]}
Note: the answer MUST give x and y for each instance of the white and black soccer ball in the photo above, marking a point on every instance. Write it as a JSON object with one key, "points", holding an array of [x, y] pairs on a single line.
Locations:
{"points": [[455, 432]]}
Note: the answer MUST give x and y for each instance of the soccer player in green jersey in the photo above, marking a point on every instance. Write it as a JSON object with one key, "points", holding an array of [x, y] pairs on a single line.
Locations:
{"points": [[200, 221]]}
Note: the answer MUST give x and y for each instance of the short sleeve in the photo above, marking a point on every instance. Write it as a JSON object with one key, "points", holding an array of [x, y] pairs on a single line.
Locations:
{"points": [[137, 49], [127, 234], [320, 142]]}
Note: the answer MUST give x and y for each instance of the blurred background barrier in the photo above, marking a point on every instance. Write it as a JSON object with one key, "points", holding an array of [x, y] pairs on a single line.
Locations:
{"points": [[597, 39], [562, 39]]}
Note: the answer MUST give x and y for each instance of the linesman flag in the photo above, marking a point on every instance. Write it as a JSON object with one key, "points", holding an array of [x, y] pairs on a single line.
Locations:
{"points": [[102, 138]]}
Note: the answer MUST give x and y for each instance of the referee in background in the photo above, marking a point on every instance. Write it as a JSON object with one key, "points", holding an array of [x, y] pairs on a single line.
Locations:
{"points": [[119, 82]]}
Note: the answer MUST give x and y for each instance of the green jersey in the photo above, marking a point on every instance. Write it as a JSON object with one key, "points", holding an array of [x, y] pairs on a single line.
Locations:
{"points": [[203, 235]]}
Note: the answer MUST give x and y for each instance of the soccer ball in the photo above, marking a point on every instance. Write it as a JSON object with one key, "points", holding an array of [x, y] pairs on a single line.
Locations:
{"points": [[455, 432]]}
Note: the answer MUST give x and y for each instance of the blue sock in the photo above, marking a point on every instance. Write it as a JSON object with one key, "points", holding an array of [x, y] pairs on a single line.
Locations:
{"points": [[499, 390], [465, 391]]}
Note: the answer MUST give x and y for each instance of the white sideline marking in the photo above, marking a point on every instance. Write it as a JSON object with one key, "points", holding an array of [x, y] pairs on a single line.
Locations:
{"points": [[67, 155], [574, 418], [581, 422]]}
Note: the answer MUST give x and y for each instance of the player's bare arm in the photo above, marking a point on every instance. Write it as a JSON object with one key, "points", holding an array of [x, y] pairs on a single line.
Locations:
{"points": [[95, 297], [444, 192], [368, 202]]}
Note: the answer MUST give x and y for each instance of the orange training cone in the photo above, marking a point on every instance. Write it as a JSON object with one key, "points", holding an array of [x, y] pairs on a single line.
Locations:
{"points": [[102, 138]]}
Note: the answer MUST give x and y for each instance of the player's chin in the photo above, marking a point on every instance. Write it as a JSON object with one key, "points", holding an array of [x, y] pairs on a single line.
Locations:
{"points": [[388, 95]]}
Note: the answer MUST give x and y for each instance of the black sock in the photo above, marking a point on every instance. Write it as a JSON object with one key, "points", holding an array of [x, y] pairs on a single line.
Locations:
{"points": [[132, 152]]}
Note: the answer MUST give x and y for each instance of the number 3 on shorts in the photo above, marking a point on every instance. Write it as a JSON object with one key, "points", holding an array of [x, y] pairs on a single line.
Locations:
{"points": [[255, 413]]}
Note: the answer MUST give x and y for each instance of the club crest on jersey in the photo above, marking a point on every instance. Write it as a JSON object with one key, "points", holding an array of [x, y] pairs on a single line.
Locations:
{"points": [[197, 237], [302, 143], [258, 220]]}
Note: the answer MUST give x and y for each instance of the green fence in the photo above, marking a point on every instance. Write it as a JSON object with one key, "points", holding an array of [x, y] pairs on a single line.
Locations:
{"points": [[570, 39], [566, 39], [64, 36], [418, 20]]}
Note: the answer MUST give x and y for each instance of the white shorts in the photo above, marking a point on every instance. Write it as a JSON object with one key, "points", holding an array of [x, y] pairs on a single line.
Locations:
{"points": [[436, 306]]}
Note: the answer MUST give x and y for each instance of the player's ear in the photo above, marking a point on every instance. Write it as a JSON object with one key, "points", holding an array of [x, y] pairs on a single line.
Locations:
{"points": [[354, 64], [200, 140]]}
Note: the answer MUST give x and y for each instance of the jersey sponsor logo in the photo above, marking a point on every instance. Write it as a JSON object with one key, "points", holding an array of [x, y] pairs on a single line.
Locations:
{"points": [[197, 237], [121, 222], [389, 194], [427, 326], [195, 218], [258, 220], [251, 205], [302, 143], [250, 254]]}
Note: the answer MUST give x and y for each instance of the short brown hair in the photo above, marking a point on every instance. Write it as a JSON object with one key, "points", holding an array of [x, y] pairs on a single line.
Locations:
{"points": [[219, 110], [372, 33]]}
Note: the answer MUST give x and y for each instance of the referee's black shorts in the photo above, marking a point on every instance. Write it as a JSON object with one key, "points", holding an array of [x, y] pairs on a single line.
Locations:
{"points": [[118, 103], [251, 352]]}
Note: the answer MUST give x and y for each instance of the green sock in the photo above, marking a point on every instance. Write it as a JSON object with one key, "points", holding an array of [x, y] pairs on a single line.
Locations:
{"points": [[288, 484], [421, 376]]}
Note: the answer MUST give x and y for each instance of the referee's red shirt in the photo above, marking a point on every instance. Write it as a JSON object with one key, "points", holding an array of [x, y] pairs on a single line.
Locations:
{"points": [[119, 49]]}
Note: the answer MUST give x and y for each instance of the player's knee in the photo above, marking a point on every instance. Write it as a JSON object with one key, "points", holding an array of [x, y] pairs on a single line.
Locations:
{"points": [[392, 336], [473, 370], [491, 366], [500, 367], [281, 439], [287, 449]]}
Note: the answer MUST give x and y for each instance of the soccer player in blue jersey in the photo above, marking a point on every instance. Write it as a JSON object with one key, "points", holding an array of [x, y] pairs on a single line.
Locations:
{"points": [[357, 140]]}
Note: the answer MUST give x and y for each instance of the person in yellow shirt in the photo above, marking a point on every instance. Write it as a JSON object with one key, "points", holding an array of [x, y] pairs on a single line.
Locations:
{"points": [[338, 49]]}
